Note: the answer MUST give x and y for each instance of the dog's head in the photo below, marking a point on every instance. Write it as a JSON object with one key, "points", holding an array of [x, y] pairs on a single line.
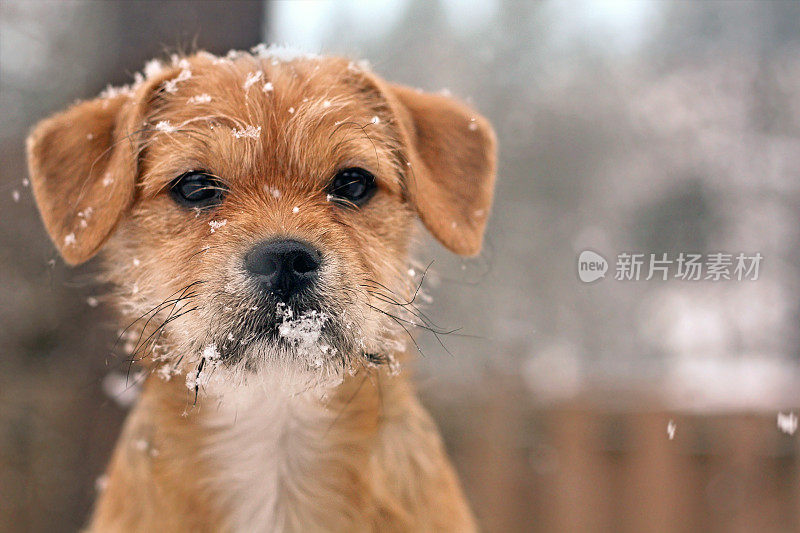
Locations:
{"points": [[257, 208]]}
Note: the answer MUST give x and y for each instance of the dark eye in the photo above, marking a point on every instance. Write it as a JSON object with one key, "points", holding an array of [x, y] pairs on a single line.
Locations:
{"points": [[196, 189], [353, 185]]}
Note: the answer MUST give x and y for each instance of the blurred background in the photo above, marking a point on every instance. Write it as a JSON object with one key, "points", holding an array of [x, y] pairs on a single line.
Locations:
{"points": [[654, 127]]}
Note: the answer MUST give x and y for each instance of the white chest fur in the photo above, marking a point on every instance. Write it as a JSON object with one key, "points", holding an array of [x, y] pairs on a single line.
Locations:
{"points": [[265, 449]]}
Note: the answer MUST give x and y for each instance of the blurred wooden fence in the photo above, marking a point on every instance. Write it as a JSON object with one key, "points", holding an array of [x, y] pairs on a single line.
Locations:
{"points": [[577, 467]]}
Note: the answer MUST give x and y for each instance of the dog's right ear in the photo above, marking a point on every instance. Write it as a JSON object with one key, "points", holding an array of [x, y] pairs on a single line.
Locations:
{"points": [[83, 164]]}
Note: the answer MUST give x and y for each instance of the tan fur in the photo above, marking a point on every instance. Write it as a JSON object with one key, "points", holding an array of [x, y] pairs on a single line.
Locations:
{"points": [[274, 442]]}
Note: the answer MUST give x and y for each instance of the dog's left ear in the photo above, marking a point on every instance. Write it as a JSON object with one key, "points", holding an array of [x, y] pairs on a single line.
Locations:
{"points": [[82, 164], [452, 156]]}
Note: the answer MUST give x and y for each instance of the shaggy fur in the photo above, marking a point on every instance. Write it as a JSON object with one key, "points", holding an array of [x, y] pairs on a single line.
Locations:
{"points": [[240, 426]]}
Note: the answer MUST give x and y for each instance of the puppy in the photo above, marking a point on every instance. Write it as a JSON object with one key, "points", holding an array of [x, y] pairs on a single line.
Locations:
{"points": [[254, 214]]}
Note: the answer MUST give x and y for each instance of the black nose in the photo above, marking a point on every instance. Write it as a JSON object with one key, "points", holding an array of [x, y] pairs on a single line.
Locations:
{"points": [[283, 267]]}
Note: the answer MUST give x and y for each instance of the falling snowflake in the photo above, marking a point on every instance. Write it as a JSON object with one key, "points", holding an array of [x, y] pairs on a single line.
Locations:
{"points": [[123, 388], [787, 423], [101, 483], [671, 427]]}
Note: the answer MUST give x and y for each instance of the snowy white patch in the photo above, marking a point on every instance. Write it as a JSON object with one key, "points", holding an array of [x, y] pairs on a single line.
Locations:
{"points": [[166, 372], [671, 427], [250, 131], [91, 301], [15, 195], [199, 378], [153, 68], [171, 86], [26, 182], [210, 353], [90, 136], [276, 193], [112, 92], [282, 54], [216, 224], [166, 126], [107, 179], [304, 333], [472, 124], [295, 209], [291, 110], [252, 79], [361, 65], [69, 239], [191, 380], [199, 99], [375, 120], [136, 262], [394, 365], [326, 103], [787, 423], [267, 87]]}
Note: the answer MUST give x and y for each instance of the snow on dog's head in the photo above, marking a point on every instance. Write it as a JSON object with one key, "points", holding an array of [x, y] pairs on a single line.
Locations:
{"points": [[257, 208]]}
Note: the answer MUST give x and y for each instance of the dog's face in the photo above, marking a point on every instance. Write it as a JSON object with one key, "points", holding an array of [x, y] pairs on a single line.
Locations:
{"points": [[257, 209]]}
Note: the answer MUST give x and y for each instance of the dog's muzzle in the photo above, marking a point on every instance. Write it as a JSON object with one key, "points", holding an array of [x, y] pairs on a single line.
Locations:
{"points": [[283, 268]]}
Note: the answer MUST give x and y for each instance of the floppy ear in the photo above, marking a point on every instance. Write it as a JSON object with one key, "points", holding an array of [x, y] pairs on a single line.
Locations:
{"points": [[83, 164], [452, 156]]}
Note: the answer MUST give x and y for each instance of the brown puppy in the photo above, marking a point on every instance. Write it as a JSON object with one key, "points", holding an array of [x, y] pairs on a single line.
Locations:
{"points": [[256, 211]]}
